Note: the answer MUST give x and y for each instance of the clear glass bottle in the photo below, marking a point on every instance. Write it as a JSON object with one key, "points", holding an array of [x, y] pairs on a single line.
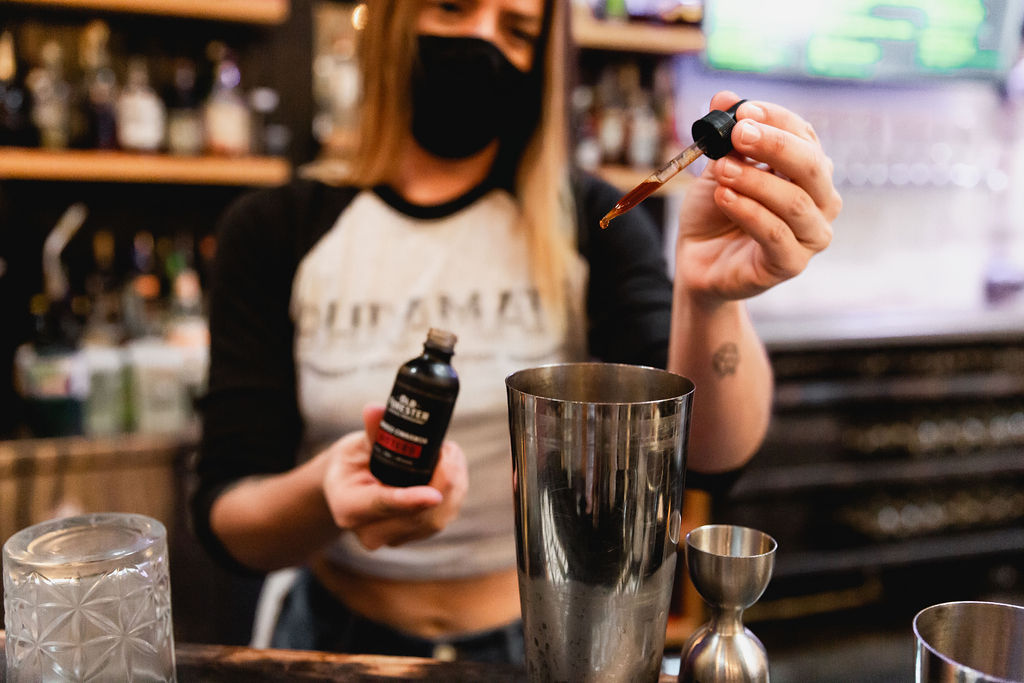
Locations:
{"points": [[141, 116], [48, 370], [99, 89], [188, 331], [141, 303], [185, 134], [104, 326], [51, 95], [227, 119], [15, 124], [417, 414]]}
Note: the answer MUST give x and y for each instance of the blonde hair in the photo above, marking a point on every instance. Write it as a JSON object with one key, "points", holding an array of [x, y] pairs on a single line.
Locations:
{"points": [[547, 215]]}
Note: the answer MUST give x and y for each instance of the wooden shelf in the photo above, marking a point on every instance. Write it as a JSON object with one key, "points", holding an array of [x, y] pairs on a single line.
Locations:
{"points": [[625, 36], [246, 11], [124, 167], [86, 451], [626, 178]]}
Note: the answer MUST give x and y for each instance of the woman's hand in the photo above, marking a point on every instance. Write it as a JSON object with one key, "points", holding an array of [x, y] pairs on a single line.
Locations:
{"points": [[385, 515], [755, 217]]}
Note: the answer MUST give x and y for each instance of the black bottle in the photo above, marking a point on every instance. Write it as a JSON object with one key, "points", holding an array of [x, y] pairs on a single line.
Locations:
{"points": [[417, 414]]}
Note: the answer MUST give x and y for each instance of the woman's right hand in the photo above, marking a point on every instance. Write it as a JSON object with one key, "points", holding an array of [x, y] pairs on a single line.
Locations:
{"points": [[382, 515]]}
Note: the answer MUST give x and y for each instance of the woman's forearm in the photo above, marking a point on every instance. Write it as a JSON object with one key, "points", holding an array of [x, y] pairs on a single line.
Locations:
{"points": [[275, 521], [715, 345]]}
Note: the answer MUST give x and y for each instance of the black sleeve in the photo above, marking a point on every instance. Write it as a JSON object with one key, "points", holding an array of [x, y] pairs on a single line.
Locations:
{"points": [[718, 484], [250, 417], [629, 295]]}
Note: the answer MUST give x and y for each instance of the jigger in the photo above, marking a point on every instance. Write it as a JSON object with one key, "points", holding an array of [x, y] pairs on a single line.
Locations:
{"points": [[730, 567]]}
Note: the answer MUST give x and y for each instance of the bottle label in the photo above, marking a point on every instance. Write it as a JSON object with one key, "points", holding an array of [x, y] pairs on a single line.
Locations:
{"points": [[407, 409], [413, 427], [403, 443]]}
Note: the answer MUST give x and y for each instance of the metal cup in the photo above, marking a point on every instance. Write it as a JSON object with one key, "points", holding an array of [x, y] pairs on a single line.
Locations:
{"points": [[970, 642], [730, 567], [88, 598], [599, 454]]}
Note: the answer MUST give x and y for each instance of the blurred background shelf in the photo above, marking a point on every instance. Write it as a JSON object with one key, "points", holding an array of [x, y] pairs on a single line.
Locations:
{"points": [[635, 36], [245, 11], [107, 166]]}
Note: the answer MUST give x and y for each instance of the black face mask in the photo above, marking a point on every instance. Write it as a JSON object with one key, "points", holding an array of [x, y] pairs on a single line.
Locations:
{"points": [[465, 94]]}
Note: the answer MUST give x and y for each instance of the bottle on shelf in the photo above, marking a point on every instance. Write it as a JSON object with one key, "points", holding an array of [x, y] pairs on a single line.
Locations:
{"points": [[157, 393], [141, 117], [49, 372], [611, 118], [99, 93], [185, 134], [51, 97], [588, 148], [188, 332], [268, 137], [106, 407], [158, 398], [644, 132], [104, 325], [226, 116], [15, 103], [141, 295], [664, 100], [614, 10]]}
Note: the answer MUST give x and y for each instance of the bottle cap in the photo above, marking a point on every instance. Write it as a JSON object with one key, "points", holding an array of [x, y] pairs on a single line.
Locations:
{"points": [[441, 339], [714, 131]]}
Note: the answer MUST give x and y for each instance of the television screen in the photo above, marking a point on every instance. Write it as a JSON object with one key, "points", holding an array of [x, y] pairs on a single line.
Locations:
{"points": [[864, 39]]}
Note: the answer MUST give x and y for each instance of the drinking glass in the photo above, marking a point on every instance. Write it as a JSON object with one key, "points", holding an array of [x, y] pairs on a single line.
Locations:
{"points": [[88, 598]]}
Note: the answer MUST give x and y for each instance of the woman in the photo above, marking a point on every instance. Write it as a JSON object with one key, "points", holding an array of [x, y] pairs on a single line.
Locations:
{"points": [[460, 212]]}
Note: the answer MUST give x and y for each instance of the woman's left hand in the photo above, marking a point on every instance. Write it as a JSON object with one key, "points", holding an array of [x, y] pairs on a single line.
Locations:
{"points": [[754, 218]]}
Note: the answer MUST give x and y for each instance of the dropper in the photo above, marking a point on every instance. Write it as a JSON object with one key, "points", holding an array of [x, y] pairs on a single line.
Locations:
{"points": [[712, 137]]}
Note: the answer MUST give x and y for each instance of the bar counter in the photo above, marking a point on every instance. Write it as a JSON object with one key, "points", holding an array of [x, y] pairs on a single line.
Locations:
{"points": [[233, 664]]}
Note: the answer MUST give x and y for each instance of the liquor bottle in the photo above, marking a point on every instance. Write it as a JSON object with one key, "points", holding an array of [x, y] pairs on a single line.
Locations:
{"points": [[141, 117], [644, 132], [49, 372], [226, 115], [106, 407], [417, 414], [15, 103], [140, 303], [99, 89], [188, 332], [104, 326], [185, 135], [51, 97]]}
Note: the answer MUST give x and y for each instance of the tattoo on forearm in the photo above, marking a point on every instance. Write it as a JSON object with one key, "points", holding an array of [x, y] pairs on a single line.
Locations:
{"points": [[725, 359]]}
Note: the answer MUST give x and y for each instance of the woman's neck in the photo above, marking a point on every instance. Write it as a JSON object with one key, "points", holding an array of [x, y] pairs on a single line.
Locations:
{"points": [[427, 180]]}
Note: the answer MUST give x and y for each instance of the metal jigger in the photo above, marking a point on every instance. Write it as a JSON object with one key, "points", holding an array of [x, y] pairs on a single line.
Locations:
{"points": [[730, 567]]}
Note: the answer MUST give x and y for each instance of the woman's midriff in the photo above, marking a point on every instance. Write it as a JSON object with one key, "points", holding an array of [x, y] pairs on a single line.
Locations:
{"points": [[429, 609]]}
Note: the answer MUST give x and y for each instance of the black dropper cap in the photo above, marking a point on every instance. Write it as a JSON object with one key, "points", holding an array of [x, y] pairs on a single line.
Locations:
{"points": [[713, 131]]}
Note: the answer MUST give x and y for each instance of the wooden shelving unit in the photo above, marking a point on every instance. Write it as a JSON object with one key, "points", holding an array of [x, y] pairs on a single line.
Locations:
{"points": [[245, 11], [625, 36], [124, 167]]}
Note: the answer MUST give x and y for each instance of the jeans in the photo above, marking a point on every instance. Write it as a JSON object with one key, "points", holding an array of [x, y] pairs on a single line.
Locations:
{"points": [[313, 619]]}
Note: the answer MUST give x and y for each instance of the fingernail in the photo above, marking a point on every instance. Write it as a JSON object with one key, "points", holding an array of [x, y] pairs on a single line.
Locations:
{"points": [[749, 132], [752, 111], [728, 196], [729, 168]]}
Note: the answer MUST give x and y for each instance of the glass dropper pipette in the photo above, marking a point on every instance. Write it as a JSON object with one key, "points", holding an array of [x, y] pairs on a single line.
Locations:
{"points": [[712, 137]]}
